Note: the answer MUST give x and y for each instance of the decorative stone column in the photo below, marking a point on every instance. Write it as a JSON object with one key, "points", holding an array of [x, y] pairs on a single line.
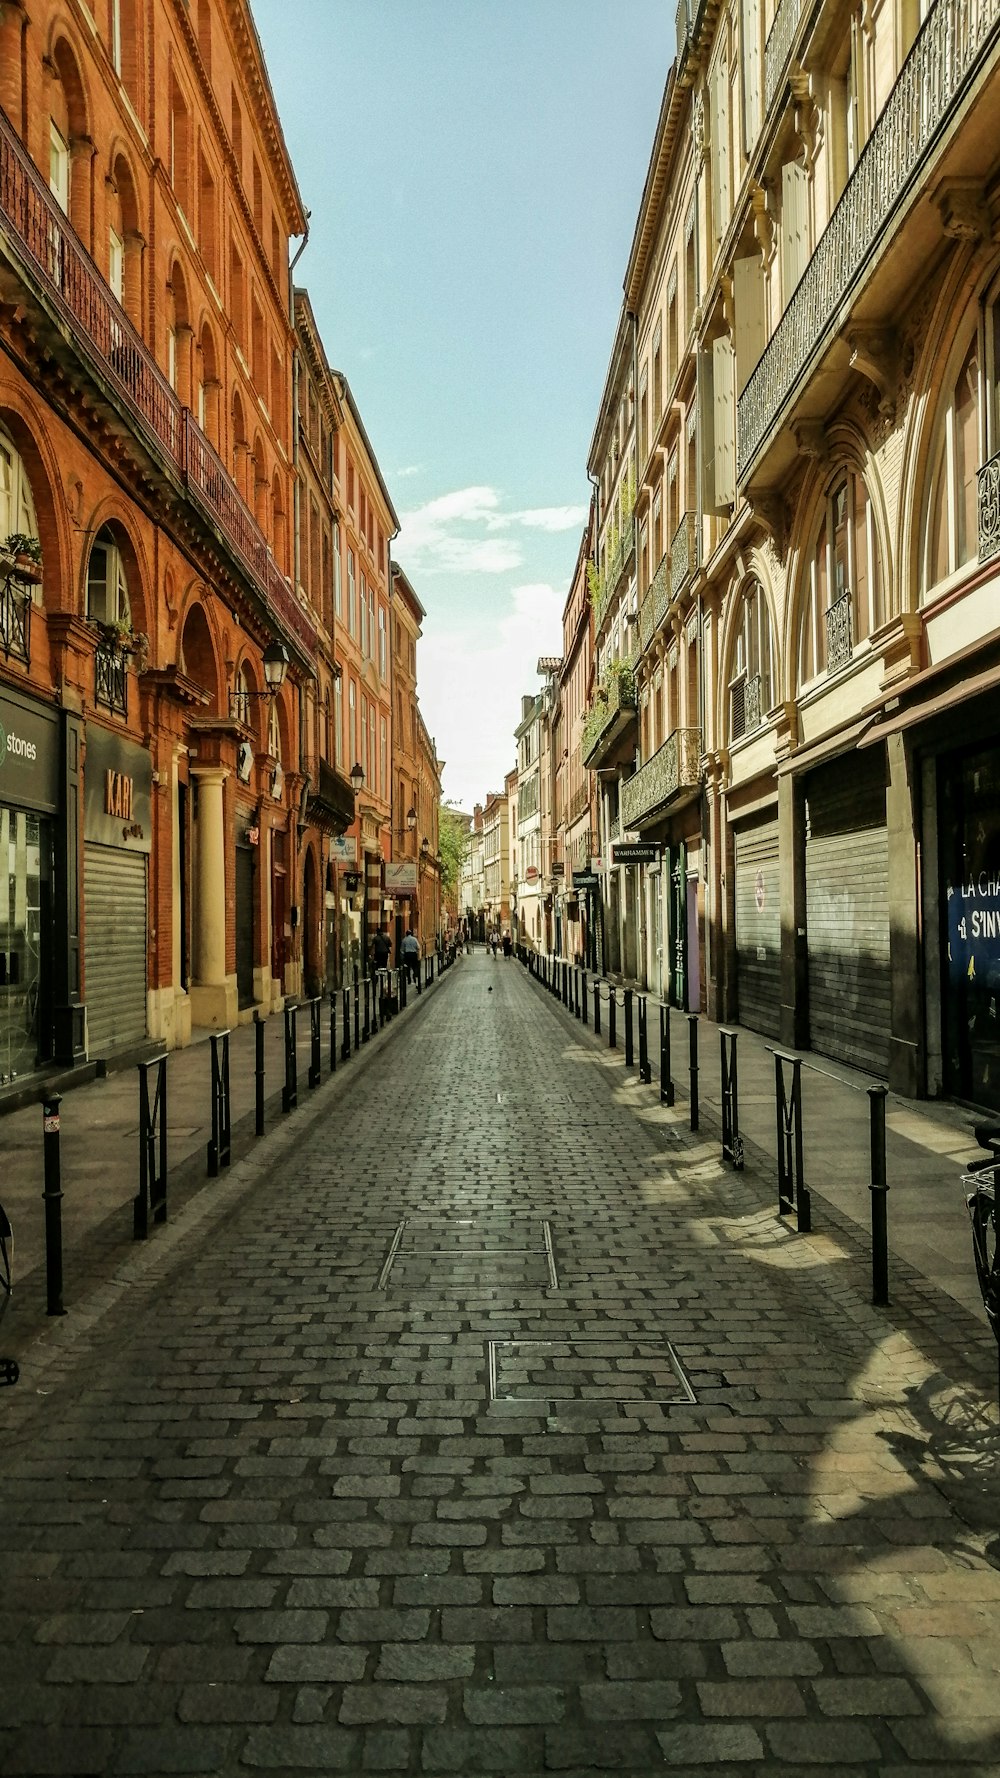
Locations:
{"points": [[213, 993]]}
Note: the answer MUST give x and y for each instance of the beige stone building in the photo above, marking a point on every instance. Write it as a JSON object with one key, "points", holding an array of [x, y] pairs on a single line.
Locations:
{"points": [[817, 738]]}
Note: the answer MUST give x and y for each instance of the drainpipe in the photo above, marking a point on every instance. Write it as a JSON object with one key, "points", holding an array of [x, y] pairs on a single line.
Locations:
{"points": [[641, 937], [296, 561]]}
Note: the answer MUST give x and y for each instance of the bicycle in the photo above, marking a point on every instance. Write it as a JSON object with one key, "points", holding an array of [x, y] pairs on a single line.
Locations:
{"points": [[9, 1370], [981, 1202]]}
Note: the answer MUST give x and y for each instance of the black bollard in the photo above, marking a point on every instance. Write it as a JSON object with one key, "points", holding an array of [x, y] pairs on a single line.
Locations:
{"points": [[366, 1027], [258, 1033], [357, 1010], [627, 1016], [597, 1009], [644, 1070], [583, 998], [220, 1146], [879, 1191], [290, 1090], [52, 1199], [333, 1031], [666, 1083], [693, 1066], [612, 1019], [345, 1048], [315, 1041]]}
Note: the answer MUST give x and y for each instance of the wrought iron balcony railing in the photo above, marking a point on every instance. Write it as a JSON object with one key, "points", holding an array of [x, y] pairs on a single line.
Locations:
{"points": [[988, 496], [15, 621], [659, 586], [839, 640], [105, 338], [111, 678], [647, 621], [615, 697], [683, 553], [577, 804], [613, 571], [674, 767], [745, 706], [951, 46], [778, 47]]}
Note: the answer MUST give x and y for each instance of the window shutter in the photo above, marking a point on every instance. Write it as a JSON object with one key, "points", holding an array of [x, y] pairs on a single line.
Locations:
{"points": [[751, 72], [706, 428], [724, 415], [751, 317], [794, 226]]}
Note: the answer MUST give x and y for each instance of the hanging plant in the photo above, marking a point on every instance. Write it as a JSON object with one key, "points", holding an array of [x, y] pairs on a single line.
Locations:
{"points": [[25, 555]]}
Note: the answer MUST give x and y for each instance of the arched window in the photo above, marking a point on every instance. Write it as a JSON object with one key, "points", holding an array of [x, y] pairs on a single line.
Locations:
{"points": [[752, 676], [208, 386], [178, 335], [844, 599], [952, 532], [107, 587], [17, 508]]}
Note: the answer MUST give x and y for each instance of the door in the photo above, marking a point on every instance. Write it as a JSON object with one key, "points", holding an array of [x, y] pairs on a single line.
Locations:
{"points": [[678, 926], [758, 928], [25, 943], [693, 946], [244, 924], [847, 911], [279, 907]]}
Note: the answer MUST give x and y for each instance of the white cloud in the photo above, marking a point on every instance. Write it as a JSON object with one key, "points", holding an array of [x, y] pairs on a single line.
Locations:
{"points": [[457, 533], [472, 682], [407, 470]]}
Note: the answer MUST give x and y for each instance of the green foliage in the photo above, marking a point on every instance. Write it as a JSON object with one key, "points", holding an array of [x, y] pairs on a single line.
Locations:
{"points": [[594, 582], [19, 543], [453, 841]]}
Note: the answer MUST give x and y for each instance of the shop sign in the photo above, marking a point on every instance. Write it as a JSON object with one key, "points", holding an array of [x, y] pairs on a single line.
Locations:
{"points": [[585, 879], [118, 792], [344, 848], [401, 879], [558, 868], [29, 754], [640, 852], [531, 874]]}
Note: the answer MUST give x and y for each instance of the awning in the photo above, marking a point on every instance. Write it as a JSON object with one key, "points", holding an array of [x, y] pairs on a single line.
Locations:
{"points": [[828, 748], [922, 711]]}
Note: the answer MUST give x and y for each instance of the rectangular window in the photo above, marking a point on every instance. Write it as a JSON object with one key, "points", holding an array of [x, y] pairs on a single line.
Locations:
{"points": [[381, 641], [364, 618], [351, 618], [794, 226], [657, 375], [372, 759], [59, 168], [749, 308], [672, 331], [363, 756], [371, 622], [338, 719], [719, 157], [206, 218], [353, 716], [116, 36], [383, 753], [338, 600]]}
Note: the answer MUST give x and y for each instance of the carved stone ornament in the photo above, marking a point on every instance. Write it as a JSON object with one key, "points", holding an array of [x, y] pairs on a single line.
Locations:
{"points": [[761, 204], [963, 210], [875, 353], [811, 440], [808, 118], [698, 127], [769, 510]]}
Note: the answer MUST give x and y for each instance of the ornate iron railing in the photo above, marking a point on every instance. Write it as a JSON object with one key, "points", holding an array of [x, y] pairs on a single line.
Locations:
{"points": [[647, 621], [674, 767], [745, 706], [577, 803], [683, 554], [15, 622], [659, 587], [778, 47], [951, 45], [103, 334], [111, 678], [618, 694], [608, 583], [839, 640], [988, 496]]}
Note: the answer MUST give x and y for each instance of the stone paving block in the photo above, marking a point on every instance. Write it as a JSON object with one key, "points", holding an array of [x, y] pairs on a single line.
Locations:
{"points": [[374, 1703], [825, 1743], [386, 1750], [291, 1747], [383, 1626], [309, 1664], [600, 1750], [710, 1744], [281, 1626], [226, 1703], [154, 1753], [117, 1664], [474, 1750], [520, 1704], [412, 1661], [630, 1700]]}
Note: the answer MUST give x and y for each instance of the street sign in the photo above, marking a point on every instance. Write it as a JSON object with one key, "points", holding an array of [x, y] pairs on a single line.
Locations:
{"points": [[585, 879], [644, 852]]}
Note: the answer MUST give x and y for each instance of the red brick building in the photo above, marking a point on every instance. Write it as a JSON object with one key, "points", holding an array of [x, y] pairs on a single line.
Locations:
{"points": [[150, 790]]}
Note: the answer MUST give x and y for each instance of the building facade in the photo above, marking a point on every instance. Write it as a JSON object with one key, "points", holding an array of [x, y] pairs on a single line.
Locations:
{"points": [[530, 888]]}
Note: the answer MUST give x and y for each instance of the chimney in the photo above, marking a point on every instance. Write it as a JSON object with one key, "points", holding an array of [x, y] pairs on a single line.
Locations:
{"points": [[527, 705]]}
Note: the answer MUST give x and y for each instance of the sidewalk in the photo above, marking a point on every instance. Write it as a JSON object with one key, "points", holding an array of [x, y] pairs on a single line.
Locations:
{"points": [[99, 1150], [928, 1144]]}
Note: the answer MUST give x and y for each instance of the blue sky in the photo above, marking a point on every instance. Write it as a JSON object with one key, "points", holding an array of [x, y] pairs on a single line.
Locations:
{"points": [[473, 169]]}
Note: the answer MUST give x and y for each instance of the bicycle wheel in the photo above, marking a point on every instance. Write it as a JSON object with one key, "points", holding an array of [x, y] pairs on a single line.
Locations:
{"points": [[982, 1215]]}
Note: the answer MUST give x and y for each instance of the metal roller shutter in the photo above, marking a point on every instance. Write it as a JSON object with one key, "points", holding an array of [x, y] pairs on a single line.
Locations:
{"points": [[847, 912], [114, 896], [758, 928]]}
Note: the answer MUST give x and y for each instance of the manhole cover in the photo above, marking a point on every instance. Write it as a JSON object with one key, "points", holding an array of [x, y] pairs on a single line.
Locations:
{"points": [[587, 1373], [466, 1253]]}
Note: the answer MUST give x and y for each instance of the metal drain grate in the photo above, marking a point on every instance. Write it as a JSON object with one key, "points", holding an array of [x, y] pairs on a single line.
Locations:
{"points": [[587, 1374], [467, 1246]]}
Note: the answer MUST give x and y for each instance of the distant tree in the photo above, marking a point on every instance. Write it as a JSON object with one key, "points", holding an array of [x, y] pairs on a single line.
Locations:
{"points": [[453, 839]]}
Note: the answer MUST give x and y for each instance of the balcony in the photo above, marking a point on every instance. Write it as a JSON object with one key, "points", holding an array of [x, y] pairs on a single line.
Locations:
{"points": [[51, 257], [578, 804], [666, 781], [330, 805], [745, 706], [609, 718], [15, 619], [988, 496], [951, 48], [617, 562], [778, 48], [683, 554], [839, 641], [111, 678]]}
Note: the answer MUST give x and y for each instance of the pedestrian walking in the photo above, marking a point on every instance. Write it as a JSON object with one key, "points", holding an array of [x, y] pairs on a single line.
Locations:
{"points": [[409, 950], [507, 947]]}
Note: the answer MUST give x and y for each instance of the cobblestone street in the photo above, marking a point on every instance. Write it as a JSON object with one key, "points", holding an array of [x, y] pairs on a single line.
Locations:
{"points": [[482, 1422]]}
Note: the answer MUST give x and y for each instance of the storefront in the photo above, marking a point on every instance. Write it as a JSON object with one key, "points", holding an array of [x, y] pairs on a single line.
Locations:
{"points": [[29, 805], [758, 925], [968, 802], [118, 781]]}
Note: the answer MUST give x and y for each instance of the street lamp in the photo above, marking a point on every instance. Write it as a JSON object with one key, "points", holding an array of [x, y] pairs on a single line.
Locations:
{"points": [[357, 775], [411, 822], [275, 667], [425, 847]]}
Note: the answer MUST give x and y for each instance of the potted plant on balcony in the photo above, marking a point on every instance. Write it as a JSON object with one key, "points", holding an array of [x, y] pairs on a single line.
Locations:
{"points": [[120, 636], [24, 553]]}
